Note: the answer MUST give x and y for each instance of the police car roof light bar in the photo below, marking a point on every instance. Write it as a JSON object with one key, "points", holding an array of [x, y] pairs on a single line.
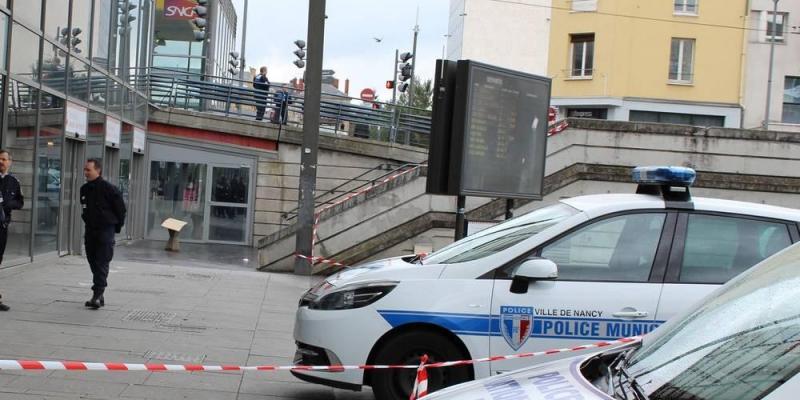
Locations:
{"points": [[671, 182]]}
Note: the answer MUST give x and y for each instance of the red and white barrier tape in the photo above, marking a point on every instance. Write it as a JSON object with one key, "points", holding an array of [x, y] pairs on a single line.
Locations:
{"points": [[321, 260], [557, 127], [420, 383], [153, 367]]}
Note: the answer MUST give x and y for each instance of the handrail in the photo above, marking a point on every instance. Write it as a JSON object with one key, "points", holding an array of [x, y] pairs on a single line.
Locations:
{"points": [[291, 214], [393, 123]]}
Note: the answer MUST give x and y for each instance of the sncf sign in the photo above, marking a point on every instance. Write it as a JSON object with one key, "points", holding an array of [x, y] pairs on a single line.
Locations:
{"points": [[179, 9]]}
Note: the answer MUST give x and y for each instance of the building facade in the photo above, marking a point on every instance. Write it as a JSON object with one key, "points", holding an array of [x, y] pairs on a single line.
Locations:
{"points": [[677, 61], [513, 35], [195, 44], [785, 91], [70, 87]]}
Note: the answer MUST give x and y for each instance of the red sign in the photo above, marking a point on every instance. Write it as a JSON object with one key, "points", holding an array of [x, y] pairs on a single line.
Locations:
{"points": [[552, 113], [179, 9], [368, 94]]}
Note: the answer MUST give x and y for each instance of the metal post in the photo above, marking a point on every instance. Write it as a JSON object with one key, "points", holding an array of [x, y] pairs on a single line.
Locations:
{"points": [[509, 208], [244, 40], [461, 219], [413, 62], [765, 125], [394, 76], [308, 156]]}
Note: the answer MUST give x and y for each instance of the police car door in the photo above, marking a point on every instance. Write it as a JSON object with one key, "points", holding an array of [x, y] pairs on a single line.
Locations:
{"points": [[610, 271], [711, 248]]}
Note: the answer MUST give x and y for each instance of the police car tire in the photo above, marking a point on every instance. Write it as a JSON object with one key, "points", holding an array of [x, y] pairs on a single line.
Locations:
{"points": [[406, 348]]}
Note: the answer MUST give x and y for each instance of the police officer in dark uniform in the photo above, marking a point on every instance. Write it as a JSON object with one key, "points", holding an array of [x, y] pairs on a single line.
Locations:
{"points": [[103, 213], [10, 199], [261, 84]]}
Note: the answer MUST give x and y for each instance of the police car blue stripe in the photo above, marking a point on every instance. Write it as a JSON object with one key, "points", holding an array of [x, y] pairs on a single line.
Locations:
{"points": [[543, 327]]}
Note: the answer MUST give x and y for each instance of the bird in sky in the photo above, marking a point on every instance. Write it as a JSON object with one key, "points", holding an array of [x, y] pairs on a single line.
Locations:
{"points": [[377, 39]]}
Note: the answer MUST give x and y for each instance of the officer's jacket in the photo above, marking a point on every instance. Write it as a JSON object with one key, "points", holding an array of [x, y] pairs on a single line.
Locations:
{"points": [[102, 204], [12, 196]]}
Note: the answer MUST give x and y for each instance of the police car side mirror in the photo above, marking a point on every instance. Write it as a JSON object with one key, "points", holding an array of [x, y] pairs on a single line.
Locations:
{"points": [[535, 269]]}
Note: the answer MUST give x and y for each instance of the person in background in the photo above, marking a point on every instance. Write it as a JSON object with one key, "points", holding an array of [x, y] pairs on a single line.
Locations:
{"points": [[10, 199], [261, 84]]}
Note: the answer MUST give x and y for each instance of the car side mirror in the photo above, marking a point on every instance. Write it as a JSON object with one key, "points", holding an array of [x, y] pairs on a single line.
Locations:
{"points": [[534, 269]]}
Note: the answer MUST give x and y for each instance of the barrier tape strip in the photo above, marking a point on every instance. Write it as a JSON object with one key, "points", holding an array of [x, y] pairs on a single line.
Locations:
{"points": [[33, 365], [558, 127], [322, 260]]}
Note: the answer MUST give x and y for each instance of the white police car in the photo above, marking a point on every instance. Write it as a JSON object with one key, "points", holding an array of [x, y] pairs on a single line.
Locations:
{"points": [[742, 342], [585, 269]]}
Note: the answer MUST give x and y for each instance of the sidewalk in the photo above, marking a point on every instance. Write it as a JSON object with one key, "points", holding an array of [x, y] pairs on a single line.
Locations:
{"points": [[162, 309]]}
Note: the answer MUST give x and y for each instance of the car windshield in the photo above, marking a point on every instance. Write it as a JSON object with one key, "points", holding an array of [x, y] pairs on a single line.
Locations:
{"points": [[501, 236], [740, 344]]}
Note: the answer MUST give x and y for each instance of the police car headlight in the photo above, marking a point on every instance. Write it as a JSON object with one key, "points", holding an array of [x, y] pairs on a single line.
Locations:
{"points": [[355, 296]]}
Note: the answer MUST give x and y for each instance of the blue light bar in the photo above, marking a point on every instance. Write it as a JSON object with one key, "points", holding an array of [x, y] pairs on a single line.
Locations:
{"points": [[677, 176]]}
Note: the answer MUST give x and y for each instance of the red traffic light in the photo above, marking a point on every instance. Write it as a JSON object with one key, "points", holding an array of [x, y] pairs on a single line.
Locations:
{"points": [[390, 84]]}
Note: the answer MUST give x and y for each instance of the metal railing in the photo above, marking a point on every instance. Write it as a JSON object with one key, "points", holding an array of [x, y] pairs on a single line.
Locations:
{"points": [[340, 115], [353, 185]]}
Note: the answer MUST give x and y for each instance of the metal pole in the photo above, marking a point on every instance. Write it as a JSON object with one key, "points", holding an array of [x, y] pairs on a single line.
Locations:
{"points": [[308, 156], [765, 125], [461, 231], [509, 208], [413, 63], [394, 76], [244, 40]]}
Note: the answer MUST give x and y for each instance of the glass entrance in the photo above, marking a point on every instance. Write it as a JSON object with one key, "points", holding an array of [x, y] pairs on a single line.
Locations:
{"points": [[228, 205], [71, 180]]}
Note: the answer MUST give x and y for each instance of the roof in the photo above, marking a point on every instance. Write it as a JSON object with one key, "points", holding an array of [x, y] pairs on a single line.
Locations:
{"points": [[601, 204]]}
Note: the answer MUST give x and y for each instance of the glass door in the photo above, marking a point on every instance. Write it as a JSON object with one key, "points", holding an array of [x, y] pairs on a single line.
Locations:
{"points": [[70, 223], [227, 210]]}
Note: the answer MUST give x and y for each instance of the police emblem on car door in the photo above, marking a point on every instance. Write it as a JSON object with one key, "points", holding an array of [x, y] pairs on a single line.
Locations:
{"points": [[516, 324]]}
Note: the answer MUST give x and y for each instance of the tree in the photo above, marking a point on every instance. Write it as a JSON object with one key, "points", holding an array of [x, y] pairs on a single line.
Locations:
{"points": [[423, 95]]}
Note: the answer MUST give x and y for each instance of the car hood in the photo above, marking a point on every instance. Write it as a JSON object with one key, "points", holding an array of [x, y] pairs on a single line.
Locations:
{"points": [[395, 268], [559, 379]]}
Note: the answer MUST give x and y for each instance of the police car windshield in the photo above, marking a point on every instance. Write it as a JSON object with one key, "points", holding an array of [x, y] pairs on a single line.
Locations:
{"points": [[741, 343], [501, 236]]}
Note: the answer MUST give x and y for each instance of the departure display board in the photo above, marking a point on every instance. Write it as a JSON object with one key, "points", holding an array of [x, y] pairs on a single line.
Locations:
{"points": [[499, 132]]}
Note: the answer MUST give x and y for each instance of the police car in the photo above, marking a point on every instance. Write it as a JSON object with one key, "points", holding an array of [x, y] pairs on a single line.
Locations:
{"points": [[585, 269], [740, 343]]}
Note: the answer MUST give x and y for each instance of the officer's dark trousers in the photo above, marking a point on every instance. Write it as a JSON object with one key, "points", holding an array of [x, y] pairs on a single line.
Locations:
{"points": [[3, 239], [99, 252]]}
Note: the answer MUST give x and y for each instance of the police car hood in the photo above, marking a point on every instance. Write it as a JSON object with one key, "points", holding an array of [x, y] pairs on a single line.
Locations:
{"points": [[554, 380], [395, 268]]}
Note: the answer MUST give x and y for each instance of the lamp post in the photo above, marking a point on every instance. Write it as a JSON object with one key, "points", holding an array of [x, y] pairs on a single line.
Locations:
{"points": [[765, 125]]}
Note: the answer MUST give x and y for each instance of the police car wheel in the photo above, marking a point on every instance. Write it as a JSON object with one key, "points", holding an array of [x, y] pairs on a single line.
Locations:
{"points": [[406, 349]]}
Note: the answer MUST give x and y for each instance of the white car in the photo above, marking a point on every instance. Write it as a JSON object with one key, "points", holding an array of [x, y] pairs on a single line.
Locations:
{"points": [[742, 342], [588, 268]]}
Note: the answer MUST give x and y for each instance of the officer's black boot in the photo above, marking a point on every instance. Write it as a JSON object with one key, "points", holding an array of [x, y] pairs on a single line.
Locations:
{"points": [[97, 299]]}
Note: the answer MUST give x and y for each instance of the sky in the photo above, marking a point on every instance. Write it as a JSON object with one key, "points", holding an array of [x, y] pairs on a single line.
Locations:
{"points": [[350, 29]]}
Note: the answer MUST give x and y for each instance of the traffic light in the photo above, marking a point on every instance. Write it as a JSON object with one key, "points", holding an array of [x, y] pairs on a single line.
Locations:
{"points": [[390, 84], [234, 62], [405, 71], [300, 53], [200, 22]]}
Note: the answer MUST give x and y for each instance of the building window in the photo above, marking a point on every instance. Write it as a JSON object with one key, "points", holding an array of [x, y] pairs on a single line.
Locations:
{"points": [[791, 100], [676, 118], [775, 31], [681, 60], [686, 7], [582, 55], [584, 5]]}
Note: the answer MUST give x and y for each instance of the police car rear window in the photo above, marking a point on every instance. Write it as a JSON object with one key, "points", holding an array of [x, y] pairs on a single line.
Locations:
{"points": [[501, 236]]}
